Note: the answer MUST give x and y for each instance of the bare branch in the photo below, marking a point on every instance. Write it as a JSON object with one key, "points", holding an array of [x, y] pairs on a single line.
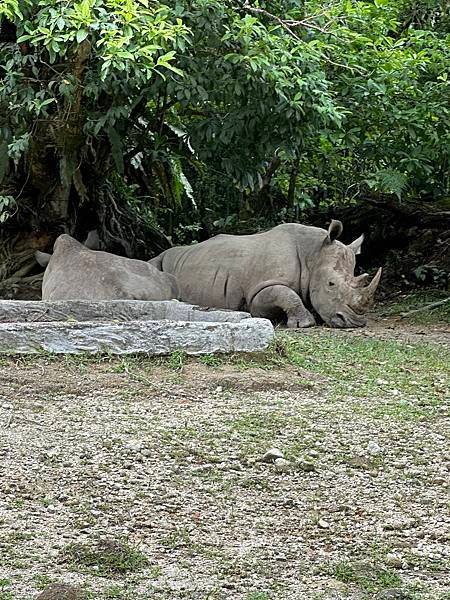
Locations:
{"points": [[288, 24]]}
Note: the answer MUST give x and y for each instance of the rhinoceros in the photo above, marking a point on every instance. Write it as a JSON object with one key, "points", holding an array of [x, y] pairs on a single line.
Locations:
{"points": [[281, 273], [76, 272]]}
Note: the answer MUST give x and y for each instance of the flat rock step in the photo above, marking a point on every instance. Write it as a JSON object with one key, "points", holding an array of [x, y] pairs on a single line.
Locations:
{"points": [[14, 311], [109, 327]]}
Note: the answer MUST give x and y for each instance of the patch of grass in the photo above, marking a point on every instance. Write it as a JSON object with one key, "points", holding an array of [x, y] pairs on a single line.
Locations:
{"points": [[344, 572], [257, 424], [42, 581], [418, 300], [177, 360], [402, 410], [210, 360], [366, 367], [5, 594], [370, 577], [259, 483], [259, 596], [178, 538], [105, 557], [117, 592], [259, 428], [425, 563]]}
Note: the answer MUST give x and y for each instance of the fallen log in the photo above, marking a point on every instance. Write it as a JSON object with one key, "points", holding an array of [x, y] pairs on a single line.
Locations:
{"points": [[425, 307]]}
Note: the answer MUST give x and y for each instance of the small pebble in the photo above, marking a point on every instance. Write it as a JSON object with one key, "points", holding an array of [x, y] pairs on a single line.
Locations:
{"points": [[271, 455], [323, 524], [373, 448], [134, 446], [394, 560]]}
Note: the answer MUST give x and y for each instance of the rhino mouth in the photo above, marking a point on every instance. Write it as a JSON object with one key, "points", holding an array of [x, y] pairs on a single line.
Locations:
{"points": [[347, 318]]}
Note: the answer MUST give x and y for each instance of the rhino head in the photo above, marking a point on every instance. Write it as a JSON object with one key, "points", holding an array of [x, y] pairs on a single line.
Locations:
{"points": [[340, 298]]}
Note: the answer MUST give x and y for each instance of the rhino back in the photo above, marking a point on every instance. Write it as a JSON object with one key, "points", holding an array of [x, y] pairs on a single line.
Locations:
{"points": [[77, 273], [224, 270]]}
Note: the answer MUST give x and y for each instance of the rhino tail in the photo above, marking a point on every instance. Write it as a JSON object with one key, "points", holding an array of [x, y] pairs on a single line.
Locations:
{"points": [[43, 258]]}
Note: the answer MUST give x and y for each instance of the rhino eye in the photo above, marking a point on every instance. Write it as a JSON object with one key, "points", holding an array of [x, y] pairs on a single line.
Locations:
{"points": [[331, 283]]}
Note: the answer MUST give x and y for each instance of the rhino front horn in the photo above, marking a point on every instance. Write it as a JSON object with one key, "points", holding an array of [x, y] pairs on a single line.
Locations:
{"points": [[370, 290]]}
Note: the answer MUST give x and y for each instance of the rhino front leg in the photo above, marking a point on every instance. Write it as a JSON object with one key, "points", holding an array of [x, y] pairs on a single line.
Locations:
{"points": [[271, 300]]}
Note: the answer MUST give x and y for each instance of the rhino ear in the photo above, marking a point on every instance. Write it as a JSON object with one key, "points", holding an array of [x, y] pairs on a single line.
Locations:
{"points": [[356, 245], [92, 242], [42, 258], [334, 230]]}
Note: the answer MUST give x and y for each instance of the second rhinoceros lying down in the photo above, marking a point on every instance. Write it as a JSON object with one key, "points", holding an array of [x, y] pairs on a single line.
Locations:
{"points": [[282, 272], [75, 272]]}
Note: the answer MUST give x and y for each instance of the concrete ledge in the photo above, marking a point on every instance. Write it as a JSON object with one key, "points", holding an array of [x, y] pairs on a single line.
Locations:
{"points": [[17, 311], [148, 337]]}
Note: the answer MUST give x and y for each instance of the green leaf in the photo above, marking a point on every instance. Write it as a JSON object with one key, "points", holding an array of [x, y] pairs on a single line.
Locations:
{"points": [[82, 35]]}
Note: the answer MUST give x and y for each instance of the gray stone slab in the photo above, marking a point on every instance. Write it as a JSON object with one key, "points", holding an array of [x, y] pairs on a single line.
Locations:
{"points": [[149, 337], [15, 311]]}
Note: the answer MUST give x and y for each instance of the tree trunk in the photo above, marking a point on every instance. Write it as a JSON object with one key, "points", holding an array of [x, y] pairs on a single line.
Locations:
{"points": [[292, 185]]}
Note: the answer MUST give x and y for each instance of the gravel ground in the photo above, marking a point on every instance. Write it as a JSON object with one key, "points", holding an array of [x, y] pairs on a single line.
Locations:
{"points": [[165, 455]]}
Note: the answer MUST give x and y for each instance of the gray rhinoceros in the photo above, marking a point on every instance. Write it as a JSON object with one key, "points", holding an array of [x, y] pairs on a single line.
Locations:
{"points": [[276, 274], [76, 272]]}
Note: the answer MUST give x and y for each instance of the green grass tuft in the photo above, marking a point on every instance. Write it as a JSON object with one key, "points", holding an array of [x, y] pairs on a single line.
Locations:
{"points": [[5, 594], [105, 557], [370, 577]]}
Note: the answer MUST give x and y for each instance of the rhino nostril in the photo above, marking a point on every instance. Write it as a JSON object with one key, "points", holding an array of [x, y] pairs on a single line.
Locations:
{"points": [[350, 320], [340, 319]]}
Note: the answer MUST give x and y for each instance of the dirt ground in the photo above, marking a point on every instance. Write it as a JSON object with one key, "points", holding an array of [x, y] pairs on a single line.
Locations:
{"points": [[164, 455]]}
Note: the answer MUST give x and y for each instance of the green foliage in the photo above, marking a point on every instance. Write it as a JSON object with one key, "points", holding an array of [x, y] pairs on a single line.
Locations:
{"points": [[222, 112], [127, 44], [177, 360]]}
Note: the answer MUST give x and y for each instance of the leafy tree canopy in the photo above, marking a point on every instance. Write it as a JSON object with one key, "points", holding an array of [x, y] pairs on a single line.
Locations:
{"points": [[108, 106]]}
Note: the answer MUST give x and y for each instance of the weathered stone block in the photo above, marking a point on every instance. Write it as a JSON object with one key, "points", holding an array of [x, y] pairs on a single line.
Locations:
{"points": [[149, 337]]}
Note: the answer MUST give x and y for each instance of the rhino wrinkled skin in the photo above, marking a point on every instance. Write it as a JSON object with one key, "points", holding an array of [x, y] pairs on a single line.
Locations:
{"points": [[277, 273], [75, 272]]}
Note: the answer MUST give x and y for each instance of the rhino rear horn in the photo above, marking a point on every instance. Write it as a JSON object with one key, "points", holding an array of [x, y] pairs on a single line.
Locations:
{"points": [[361, 280], [43, 258], [334, 230]]}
